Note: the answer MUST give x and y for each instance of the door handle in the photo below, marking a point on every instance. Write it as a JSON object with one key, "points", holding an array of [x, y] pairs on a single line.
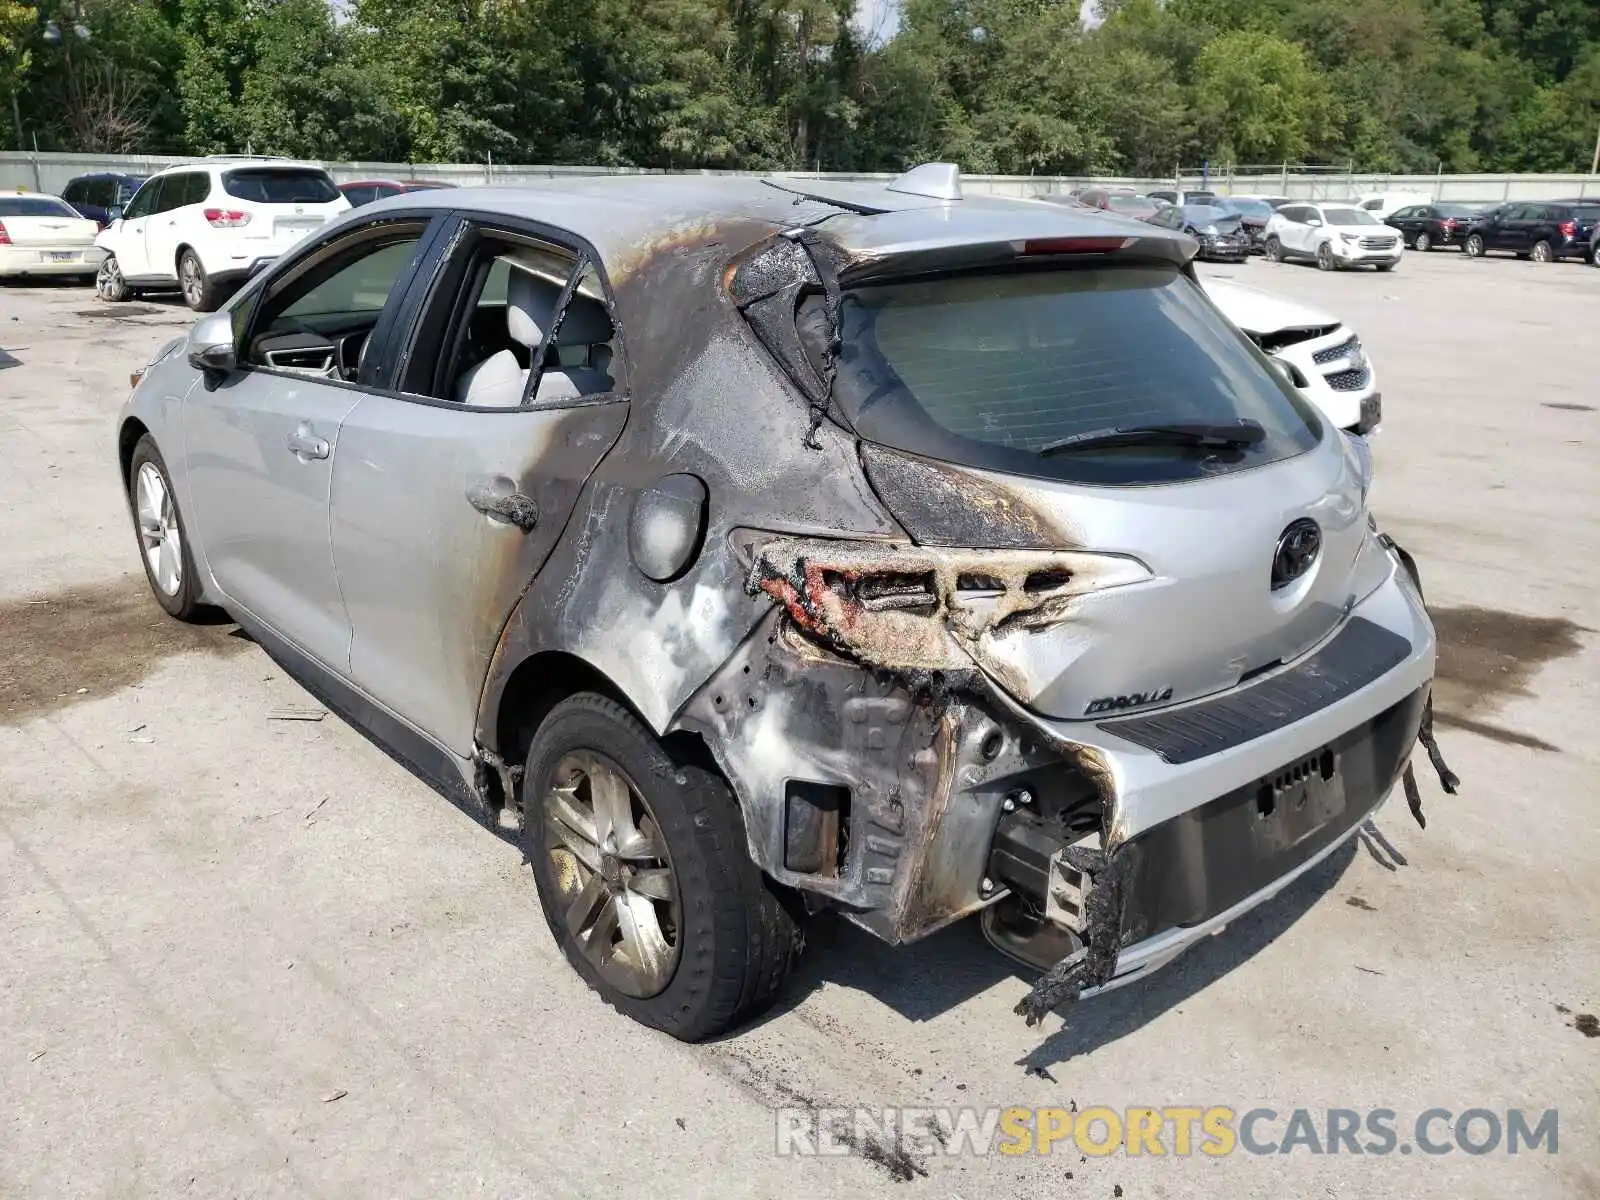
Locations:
{"points": [[499, 502], [305, 444]]}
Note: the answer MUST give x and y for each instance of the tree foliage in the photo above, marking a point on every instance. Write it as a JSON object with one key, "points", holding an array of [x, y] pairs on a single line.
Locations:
{"points": [[1014, 86]]}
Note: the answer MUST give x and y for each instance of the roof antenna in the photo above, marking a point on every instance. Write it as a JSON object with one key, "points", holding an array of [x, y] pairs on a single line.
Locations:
{"points": [[939, 181]]}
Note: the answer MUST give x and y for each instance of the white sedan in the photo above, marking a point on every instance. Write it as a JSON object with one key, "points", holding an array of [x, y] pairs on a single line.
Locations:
{"points": [[44, 235]]}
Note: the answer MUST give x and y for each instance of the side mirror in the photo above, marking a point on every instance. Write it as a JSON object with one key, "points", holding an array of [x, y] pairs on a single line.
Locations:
{"points": [[113, 214], [211, 348]]}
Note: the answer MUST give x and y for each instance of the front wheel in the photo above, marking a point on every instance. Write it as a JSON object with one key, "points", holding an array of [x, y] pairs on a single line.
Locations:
{"points": [[109, 283], [1325, 259], [1542, 251], [644, 876], [1424, 242], [1273, 250], [1474, 246], [199, 292], [163, 543]]}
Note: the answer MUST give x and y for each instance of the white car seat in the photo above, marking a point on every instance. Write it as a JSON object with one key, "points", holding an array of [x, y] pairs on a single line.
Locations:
{"points": [[579, 359]]}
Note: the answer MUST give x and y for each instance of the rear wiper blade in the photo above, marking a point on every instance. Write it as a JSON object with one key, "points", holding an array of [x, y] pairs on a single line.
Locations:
{"points": [[1241, 433]]}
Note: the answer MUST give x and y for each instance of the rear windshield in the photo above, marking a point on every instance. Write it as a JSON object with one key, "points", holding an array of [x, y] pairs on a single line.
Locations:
{"points": [[280, 185], [1587, 212], [987, 370], [1349, 216], [1455, 210], [36, 206]]}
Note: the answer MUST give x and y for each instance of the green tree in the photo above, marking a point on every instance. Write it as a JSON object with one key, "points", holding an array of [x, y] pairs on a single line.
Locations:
{"points": [[1259, 99], [218, 39], [16, 23]]}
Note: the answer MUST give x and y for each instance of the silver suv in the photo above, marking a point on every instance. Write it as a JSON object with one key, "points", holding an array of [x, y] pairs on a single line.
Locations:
{"points": [[752, 548]]}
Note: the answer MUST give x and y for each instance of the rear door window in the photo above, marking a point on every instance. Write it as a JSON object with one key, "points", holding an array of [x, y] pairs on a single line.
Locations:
{"points": [[990, 370], [280, 185], [181, 189]]}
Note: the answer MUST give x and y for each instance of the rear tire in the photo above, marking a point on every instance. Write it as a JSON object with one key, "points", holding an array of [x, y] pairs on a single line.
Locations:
{"points": [[1424, 242], [1474, 246], [199, 291], [1384, 266], [1273, 250], [1543, 252], [732, 940], [163, 540]]}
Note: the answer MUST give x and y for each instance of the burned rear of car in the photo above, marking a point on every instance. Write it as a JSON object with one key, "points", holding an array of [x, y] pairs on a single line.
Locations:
{"points": [[1108, 698], [989, 569]]}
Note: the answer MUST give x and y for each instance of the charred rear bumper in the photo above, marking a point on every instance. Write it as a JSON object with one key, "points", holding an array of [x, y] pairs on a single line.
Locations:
{"points": [[881, 790]]}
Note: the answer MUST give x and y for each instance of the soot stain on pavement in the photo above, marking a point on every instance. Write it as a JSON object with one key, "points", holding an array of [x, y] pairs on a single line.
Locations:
{"points": [[120, 312], [1487, 656], [102, 637]]}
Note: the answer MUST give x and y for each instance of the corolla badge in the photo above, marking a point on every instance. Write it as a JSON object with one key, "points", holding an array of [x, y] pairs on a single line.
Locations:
{"points": [[1298, 547]]}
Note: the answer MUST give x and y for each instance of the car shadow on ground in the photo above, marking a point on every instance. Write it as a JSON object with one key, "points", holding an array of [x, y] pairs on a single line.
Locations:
{"points": [[930, 977]]}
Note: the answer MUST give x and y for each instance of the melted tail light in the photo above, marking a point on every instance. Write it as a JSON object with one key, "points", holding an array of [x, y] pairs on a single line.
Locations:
{"points": [[1568, 228], [226, 218], [5, 238]]}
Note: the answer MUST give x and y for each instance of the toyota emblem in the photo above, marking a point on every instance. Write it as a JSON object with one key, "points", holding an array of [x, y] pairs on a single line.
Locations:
{"points": [[1298, 547]]}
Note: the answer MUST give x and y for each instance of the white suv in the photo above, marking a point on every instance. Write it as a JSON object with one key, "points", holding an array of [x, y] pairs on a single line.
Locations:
{"points": [[1320, 354], [1332, 236], [204, 227]]}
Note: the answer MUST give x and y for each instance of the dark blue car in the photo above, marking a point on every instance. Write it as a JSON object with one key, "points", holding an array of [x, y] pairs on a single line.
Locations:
{"points": [[96, 195]]}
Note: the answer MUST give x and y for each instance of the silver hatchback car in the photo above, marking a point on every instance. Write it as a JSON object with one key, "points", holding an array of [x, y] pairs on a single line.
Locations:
{"points": [[748, 548]]}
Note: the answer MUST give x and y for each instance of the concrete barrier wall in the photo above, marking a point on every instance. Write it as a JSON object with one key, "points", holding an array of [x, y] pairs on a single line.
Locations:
{"points": [[49, 172]]}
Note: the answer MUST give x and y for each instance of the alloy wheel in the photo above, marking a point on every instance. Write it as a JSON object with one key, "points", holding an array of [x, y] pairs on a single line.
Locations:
{"points": [[189, 278], [1424, 242], [108, 283], [617, 886], [1541, 252], [158, 530], [1474, 247]]}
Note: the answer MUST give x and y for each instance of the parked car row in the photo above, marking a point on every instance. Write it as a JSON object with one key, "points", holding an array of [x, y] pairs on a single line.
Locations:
{"points": [[200, 229], [1331, 233]]}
